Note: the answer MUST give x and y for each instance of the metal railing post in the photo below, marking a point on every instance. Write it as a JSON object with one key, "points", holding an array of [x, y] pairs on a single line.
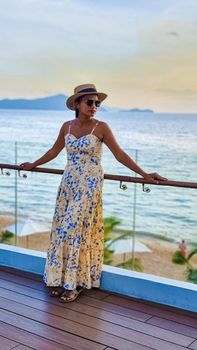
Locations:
{"points": [[134, 215], [16, 196]]}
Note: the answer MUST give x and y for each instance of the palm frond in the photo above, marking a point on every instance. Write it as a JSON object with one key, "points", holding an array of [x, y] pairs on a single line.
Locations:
{"points": [[130, 263], [193, 252], [5, 236], [178, 258], [192, 275]]}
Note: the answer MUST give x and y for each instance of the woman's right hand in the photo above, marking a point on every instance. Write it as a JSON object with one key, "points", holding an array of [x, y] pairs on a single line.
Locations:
{"points": [[27, 166]]}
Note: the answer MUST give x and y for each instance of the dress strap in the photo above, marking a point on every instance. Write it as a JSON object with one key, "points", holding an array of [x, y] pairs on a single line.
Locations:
{"points": [[94, 127], [69, 127]]}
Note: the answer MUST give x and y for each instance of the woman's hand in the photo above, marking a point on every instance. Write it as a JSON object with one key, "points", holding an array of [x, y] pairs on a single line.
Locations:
{"points": [[27, 166], [155, 177]]}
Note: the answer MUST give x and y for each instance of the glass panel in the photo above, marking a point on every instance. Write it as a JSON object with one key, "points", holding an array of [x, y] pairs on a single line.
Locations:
{"points": [[164, 217], [36, 197], [7, 192]]}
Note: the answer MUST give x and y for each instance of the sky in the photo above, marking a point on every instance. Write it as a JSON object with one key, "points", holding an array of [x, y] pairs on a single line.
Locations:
{"points": [[142, 53]]}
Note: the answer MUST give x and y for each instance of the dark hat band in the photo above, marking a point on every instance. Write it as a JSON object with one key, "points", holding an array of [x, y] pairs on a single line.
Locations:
{"points": [[88, 90]]}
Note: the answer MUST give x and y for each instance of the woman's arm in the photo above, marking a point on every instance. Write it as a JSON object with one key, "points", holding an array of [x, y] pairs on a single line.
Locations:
{"points": [[51, 153], [122, 157]]}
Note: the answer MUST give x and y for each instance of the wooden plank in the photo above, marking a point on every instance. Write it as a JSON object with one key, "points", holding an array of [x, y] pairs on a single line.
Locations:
{"points": [[82, 299], [173, 326], [76, 311], [193, 346], [78, 302], [68, 339], [105, 332], [29, 339], [154, 311], [116, 309], [48, 332], [22, 347], [156, 305], [79, 308], [22, 280], [29, 275], [8, 276], [96, 293], [7, 344], [22, 289]]}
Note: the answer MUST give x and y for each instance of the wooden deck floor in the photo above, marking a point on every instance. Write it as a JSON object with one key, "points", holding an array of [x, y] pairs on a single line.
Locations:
{"points": [[97, 320]]}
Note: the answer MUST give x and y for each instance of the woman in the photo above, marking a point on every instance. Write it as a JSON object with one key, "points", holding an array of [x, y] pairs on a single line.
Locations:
{"points": [[75, 255]]}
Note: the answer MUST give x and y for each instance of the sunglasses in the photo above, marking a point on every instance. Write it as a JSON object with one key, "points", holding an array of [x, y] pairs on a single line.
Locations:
{"points": [[91, 102]]}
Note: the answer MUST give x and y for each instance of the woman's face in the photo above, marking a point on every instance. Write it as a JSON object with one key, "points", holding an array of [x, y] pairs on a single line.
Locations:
{"points": [[88, 105]]}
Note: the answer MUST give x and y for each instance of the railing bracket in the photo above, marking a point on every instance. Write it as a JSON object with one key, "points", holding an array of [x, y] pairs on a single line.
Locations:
{"points": [[123, 186], [6, 173], [24, 175], [145, 189]]}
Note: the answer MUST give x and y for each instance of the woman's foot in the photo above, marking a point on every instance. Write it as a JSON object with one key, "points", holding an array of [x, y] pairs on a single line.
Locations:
{"points": [[70, 295], [56, 291]]}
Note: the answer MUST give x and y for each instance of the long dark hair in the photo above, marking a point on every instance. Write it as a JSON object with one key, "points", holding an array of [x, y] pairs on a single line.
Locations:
{"points": [[78, 100]]}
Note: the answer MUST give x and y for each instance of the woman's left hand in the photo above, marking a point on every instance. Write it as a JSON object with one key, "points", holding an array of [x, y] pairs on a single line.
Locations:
{"points": [[155, 177]]}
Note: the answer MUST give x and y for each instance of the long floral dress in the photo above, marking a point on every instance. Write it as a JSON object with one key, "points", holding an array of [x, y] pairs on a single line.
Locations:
{"points": [[75, 254]]}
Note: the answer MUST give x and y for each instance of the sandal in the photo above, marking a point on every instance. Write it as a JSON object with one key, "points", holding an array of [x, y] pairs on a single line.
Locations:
{"points": [[70, 295], [56, 291]]}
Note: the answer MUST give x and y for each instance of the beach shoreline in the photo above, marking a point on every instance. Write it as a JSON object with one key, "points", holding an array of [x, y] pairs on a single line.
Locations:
{"points": [[157, 262]]}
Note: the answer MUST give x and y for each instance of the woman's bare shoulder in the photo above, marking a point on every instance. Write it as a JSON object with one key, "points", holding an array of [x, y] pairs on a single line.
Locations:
{"points": [[65, 126], [103, 124], [67, 123]]}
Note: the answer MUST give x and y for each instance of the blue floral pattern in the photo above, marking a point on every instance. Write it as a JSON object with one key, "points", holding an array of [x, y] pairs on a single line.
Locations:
{"points": [[75, 254]]}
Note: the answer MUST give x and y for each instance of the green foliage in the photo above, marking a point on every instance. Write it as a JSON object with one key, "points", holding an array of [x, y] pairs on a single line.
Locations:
{"points": [[193, 252], [178, 258], [120, 237], [191, 273], [110, 223], [132, 264], [108, 256], [5, 237]]}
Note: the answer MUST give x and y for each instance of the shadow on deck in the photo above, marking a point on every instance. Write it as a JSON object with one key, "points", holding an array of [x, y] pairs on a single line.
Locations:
{"points": [[97, 320]]}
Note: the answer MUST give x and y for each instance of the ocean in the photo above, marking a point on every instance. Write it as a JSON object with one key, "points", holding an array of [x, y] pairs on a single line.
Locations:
{"points": [[165, 143]]}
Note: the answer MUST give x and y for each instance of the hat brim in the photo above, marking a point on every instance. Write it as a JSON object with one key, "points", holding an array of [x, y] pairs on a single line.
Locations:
{"points": [[70, 102]]}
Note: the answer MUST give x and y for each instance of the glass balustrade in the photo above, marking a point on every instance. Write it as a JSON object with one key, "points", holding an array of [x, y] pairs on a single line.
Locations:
{"points": [[150, 229]]}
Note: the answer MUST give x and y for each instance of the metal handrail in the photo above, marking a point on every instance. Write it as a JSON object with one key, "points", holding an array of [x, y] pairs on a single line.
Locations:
{"points": [[120, 178]]}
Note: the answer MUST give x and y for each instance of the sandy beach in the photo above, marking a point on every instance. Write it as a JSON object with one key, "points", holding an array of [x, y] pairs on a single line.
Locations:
{"points": [[157, 262]]}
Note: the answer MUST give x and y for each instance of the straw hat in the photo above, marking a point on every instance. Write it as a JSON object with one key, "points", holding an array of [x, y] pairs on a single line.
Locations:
{"points": [[81, 90]]}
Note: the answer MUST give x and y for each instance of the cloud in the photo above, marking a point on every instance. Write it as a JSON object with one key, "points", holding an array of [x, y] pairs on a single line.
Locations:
{"points": [[178, 92], [125, 47], [173, 34]]}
